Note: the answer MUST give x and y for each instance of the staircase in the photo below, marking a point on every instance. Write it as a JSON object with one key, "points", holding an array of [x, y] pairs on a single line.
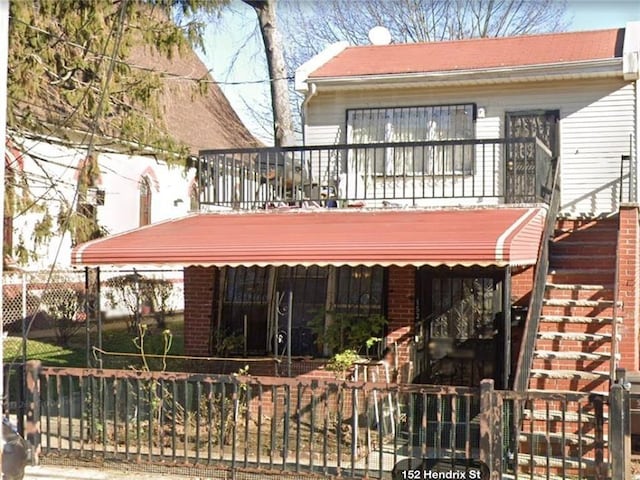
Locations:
{"points": [[573, 351]]}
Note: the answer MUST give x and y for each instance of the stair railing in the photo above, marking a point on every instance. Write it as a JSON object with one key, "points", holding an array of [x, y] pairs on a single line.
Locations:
{"points": [[615, 328], [552, 188]]}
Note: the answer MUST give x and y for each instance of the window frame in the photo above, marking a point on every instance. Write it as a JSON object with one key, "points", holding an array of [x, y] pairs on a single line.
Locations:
{"points": [[269, 299], [468, 167], [144, 202]]}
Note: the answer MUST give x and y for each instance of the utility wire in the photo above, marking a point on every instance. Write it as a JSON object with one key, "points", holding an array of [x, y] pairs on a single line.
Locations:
{"points": [[199, 80], [116, 48]]}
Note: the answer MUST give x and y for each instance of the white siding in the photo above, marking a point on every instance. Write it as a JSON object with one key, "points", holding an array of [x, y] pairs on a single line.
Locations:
{"points": [[51, 172], [597, 120]]}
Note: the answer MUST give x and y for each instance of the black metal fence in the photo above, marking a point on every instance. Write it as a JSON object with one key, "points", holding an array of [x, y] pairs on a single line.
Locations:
{"points": [[426, 173], [323, 427]]}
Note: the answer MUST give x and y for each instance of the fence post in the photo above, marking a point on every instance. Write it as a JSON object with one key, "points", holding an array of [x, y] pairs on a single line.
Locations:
{"points": [[32, 374], [491, 428], [619, 434]]}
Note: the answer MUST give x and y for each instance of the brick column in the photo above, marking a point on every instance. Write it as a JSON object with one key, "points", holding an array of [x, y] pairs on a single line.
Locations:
{"points": [[401, 309], [200, 285], [628, 270]]}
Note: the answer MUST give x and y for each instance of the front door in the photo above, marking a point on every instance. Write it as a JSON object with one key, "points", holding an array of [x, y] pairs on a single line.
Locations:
{"points": [[461, 323], [520, 178]]}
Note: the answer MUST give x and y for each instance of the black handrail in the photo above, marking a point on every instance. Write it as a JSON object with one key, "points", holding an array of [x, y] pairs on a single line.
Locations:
{"points": [[417, 173], [525, 358]]}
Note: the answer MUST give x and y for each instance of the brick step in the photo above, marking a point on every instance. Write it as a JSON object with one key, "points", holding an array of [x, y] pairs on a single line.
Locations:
{"points": [[577, 223], [569, 302], [524, 459], [569, 248], [581, 275], [568, 355], [579, 287], [579, 311], [562, 391], [557, 416], [587, 261], [604, 327], [574, 319], [574, 385], [571, 439], [575, 336], [568, 374]]}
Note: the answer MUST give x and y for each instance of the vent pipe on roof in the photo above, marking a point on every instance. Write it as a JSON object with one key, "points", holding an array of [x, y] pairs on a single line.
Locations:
{"points": [[379, 36]]}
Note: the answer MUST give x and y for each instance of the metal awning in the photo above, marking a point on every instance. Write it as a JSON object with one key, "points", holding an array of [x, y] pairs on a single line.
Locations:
{"points": [[497, 236]]}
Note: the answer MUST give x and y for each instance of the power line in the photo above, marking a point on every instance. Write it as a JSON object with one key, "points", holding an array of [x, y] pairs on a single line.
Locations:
{"points": [[199, 80], [64, 226]]}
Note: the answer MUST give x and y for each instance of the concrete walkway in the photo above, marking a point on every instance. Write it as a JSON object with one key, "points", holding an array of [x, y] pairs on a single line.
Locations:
{"points": [[70, 473]]}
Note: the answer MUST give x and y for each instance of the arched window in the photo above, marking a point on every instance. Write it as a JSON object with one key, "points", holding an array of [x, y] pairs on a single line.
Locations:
{"points": [[194, 198], [145, 202]]}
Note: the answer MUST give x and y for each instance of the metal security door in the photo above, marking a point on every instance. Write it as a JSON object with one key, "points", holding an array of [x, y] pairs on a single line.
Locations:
{"points": [[520, 183]]}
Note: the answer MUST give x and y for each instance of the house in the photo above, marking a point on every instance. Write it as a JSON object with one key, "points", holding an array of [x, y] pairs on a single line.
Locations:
{"points": [[480, 194], [133, 187]]}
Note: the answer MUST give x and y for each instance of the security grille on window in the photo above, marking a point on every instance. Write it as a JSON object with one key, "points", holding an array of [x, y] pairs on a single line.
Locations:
{"points": [[254, 304], [412, 124]]}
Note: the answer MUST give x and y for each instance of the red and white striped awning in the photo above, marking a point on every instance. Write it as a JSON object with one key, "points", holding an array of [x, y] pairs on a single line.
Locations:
{"points": [[482, 236]]}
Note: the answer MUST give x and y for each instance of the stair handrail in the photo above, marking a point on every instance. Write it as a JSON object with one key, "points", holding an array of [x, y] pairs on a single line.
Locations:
{"points": [[525, 356], [613, 364]]}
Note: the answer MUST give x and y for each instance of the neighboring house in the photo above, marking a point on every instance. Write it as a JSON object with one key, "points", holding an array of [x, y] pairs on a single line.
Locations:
{"points": [[131, 190], [480, 194]]}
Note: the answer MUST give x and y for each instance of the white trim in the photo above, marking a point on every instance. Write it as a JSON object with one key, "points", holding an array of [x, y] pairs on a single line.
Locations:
{"points": [[502, 238], [315, 62], [631, 51]]}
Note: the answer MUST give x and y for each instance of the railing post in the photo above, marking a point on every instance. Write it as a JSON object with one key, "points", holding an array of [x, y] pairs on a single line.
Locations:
{"points": [[32, 374], [619, 433], [491, 429]]}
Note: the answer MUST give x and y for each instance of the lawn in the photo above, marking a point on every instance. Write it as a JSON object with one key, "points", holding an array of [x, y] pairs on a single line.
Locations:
{"points": [[115, 339]]}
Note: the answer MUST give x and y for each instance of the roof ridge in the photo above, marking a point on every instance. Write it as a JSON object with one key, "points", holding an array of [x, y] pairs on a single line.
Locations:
{"points": [[481, 39]]}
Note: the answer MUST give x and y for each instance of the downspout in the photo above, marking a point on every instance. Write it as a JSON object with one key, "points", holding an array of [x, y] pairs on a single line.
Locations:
{"points": [[312, 93]]}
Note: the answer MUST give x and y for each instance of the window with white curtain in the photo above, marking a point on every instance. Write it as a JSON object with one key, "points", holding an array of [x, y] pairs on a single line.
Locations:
{"points": [[412, 124]]}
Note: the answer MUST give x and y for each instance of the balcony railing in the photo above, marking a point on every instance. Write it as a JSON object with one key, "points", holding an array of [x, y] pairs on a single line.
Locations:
{"points": [[433, 173]]}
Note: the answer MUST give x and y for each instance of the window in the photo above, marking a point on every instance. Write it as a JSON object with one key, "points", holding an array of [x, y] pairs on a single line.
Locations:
{"points": [[412, 124], [145, 202], [255, 305]]}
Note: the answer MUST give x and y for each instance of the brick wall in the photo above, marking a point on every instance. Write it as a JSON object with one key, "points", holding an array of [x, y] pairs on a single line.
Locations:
{"points": [[628, 270], [200, 285], [521, 285], [401, 317]]}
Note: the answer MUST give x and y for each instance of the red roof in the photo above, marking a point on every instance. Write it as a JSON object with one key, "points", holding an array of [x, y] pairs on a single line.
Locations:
{"points": [[492, 236], [474, 54]]}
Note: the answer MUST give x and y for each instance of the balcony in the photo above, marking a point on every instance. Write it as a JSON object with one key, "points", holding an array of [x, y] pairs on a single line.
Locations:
{"points": [[423, 174]]}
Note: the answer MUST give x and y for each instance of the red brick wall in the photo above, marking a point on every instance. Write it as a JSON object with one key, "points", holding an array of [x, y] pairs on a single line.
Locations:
{"points": [[401, 316], [521, 285], [200, 285], [628, 270]]}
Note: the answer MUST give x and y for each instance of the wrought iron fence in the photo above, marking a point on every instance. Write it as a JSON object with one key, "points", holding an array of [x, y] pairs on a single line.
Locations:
{"points": [[427, 173], [323, 427]]}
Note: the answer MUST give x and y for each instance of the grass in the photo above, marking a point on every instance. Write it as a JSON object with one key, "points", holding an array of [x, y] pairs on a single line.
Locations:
{"points": [[114, 339]]}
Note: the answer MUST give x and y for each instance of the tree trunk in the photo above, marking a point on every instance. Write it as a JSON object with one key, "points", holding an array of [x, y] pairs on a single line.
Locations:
{"points": [[282, 122]]}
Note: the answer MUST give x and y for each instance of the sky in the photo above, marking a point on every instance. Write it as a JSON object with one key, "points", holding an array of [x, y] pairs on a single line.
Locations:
{"points": [[233, 52]]}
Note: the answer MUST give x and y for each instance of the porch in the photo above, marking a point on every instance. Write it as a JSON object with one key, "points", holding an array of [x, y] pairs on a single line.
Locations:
{"points": [[467, 172]]}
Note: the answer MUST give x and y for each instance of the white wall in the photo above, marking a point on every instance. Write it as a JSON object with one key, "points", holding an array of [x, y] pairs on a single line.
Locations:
{"points": [[47, 164], [597, 119]]}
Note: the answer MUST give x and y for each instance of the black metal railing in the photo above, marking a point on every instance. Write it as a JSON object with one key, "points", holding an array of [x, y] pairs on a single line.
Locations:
{"points": [[430, 173], [274, 424], [527, 347], [316, 427]]}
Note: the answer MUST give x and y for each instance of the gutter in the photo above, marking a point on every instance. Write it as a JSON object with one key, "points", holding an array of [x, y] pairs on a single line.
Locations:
{"points": [[313, 90]]}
